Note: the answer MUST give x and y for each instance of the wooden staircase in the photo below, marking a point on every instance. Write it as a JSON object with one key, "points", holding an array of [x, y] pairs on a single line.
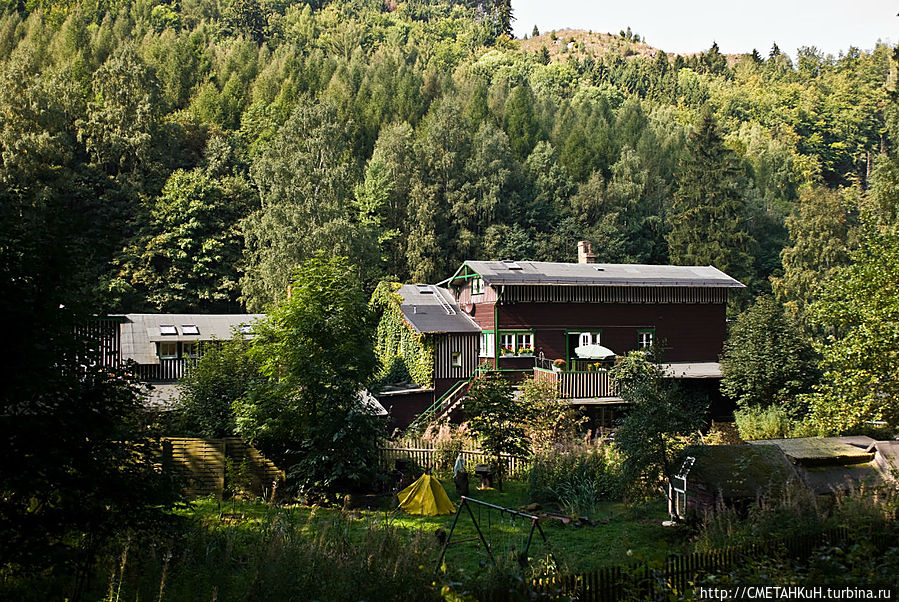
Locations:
{"points": [[445, 404]]}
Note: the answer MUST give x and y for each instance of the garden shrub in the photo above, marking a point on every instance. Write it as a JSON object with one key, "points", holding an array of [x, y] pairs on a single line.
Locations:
{"points": [[448, 441], [576, 478]]}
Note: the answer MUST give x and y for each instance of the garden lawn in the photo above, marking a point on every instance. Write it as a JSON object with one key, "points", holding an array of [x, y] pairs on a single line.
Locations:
{"points": [[623, 534]]}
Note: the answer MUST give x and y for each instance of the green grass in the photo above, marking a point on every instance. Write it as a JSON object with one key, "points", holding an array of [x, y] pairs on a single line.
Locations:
{"points": [[623, 533]]}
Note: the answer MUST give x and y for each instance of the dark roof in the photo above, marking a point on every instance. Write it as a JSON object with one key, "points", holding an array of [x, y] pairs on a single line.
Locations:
{"points": [[429, 308], [141, 332], [741, 471], [819, 450], [600, 274], [828, 479]]}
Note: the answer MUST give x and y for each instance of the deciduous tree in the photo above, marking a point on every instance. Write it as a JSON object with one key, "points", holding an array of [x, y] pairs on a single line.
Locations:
{"points": [[316, 350]]}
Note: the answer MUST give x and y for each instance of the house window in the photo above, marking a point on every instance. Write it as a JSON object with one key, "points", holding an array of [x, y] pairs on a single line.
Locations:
{"points": [[517, 343], [589, 338], [168, 350], [645, 338], [525, 343], [456, 359], [189, 349], [507, 343], [168, 329], [477, 286], [485, 347], [190, 329]]}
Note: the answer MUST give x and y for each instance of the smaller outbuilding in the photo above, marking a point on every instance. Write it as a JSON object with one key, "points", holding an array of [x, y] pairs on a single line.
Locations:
{"points": [[737, 475], [729, 475]]}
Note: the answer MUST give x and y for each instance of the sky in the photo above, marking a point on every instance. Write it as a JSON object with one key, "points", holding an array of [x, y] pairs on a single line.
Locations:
{"points": [[738, 26]]}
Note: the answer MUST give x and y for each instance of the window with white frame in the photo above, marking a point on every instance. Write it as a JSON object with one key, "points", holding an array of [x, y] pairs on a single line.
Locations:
{"points": [[525, 343], [517, 343], [477, 286], [456, 359], [645, 338], [168, 350], [507, 343], [589, 338], [189, 349], [485, 346]]}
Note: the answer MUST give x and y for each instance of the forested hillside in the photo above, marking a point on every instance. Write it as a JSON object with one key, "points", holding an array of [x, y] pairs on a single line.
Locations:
{"points": [[187, 156]]}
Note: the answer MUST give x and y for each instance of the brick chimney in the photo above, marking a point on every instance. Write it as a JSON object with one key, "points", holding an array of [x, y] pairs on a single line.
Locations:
{"points": [[585, 252]]}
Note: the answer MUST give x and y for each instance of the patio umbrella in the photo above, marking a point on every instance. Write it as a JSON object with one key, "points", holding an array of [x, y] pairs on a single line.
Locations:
{"points": [[594, 352]]}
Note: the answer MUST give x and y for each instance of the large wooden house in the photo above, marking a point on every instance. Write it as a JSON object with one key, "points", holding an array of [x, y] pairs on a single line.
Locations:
{"points": [[158, 348], [530, 317]]}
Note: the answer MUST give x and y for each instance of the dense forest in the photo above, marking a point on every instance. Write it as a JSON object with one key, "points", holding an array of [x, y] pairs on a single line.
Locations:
{"points": [[187, 156]]}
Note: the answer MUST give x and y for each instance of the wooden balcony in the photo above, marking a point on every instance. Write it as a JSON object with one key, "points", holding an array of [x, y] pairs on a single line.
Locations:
{"points": [[578, 385], [165, 370]]}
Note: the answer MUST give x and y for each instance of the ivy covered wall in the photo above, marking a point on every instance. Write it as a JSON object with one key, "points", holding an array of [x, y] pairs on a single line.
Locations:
{"points": [[404, 354]]}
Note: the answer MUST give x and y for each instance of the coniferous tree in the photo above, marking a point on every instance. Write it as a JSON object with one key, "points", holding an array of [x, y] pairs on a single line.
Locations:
{"points": [[708, 219], [520, 122]]}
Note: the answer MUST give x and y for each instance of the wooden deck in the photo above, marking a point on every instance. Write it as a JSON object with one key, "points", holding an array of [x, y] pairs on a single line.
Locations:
{"points": [[578, 385]]}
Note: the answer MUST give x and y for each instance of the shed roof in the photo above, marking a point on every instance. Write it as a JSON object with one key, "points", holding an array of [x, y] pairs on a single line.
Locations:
{"points": [[819, 450], [692, 370], [600, 274], [140, 332], [741, 471], [432, 309]]}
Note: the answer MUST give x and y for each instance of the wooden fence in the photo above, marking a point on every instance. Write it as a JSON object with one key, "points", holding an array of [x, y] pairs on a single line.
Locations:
{"points": [[208, 466], [645, 581], [426, 455]]}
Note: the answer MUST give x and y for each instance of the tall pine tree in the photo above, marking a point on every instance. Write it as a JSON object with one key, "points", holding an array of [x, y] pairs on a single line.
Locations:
{"points": [[708, 219]]}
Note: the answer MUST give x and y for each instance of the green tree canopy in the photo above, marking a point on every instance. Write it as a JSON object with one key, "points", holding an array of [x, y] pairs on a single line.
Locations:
{"points": [[497, 417], [767, 360], [659, 421], [316, 350], [859, 311], [224, 373], [708, 218]]}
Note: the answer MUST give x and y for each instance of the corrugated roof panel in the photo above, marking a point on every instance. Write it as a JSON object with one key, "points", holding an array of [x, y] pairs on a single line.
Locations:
{"points": [[605, 274]]}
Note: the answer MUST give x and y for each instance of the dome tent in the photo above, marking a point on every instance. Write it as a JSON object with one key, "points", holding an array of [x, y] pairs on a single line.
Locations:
{"points": [[425, 496]]}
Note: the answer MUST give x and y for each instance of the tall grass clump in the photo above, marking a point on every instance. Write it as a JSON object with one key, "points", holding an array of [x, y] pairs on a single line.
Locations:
{"points": [[755, 422], [577, 477], [281, 557], [796, 510]]}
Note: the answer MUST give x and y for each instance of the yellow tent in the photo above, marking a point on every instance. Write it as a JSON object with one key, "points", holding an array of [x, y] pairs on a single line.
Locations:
{"points": [[425, 496]]}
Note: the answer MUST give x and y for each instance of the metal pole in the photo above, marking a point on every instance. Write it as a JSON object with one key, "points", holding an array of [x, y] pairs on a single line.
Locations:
{"points": [[450, 536], [481, 535]]}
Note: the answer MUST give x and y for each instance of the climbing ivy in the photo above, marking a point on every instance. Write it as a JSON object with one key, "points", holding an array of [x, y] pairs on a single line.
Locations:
{"points": [[403, 353]]}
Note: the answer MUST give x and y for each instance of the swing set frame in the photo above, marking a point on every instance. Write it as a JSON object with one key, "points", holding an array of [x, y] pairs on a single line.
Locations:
{"points": [[466, 503]]}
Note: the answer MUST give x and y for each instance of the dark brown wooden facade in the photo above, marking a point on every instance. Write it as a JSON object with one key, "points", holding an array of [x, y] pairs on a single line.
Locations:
{"points": [[685, 331]]}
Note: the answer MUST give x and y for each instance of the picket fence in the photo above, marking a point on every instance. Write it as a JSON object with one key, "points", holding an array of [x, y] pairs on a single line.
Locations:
{"points": [[676, 576], [427, 455]]}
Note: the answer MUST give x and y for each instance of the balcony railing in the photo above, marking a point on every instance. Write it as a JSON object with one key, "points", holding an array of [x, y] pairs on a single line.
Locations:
{"points": [[578, 385], [165, 370]]}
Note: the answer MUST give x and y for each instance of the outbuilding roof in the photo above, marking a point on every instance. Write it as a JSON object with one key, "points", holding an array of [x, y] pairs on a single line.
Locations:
{"points": [[140, 332], [599, 274], [432, 309]]}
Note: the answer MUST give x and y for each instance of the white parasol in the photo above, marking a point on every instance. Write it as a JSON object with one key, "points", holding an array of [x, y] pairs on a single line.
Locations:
{"points": [[594, 352]]}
